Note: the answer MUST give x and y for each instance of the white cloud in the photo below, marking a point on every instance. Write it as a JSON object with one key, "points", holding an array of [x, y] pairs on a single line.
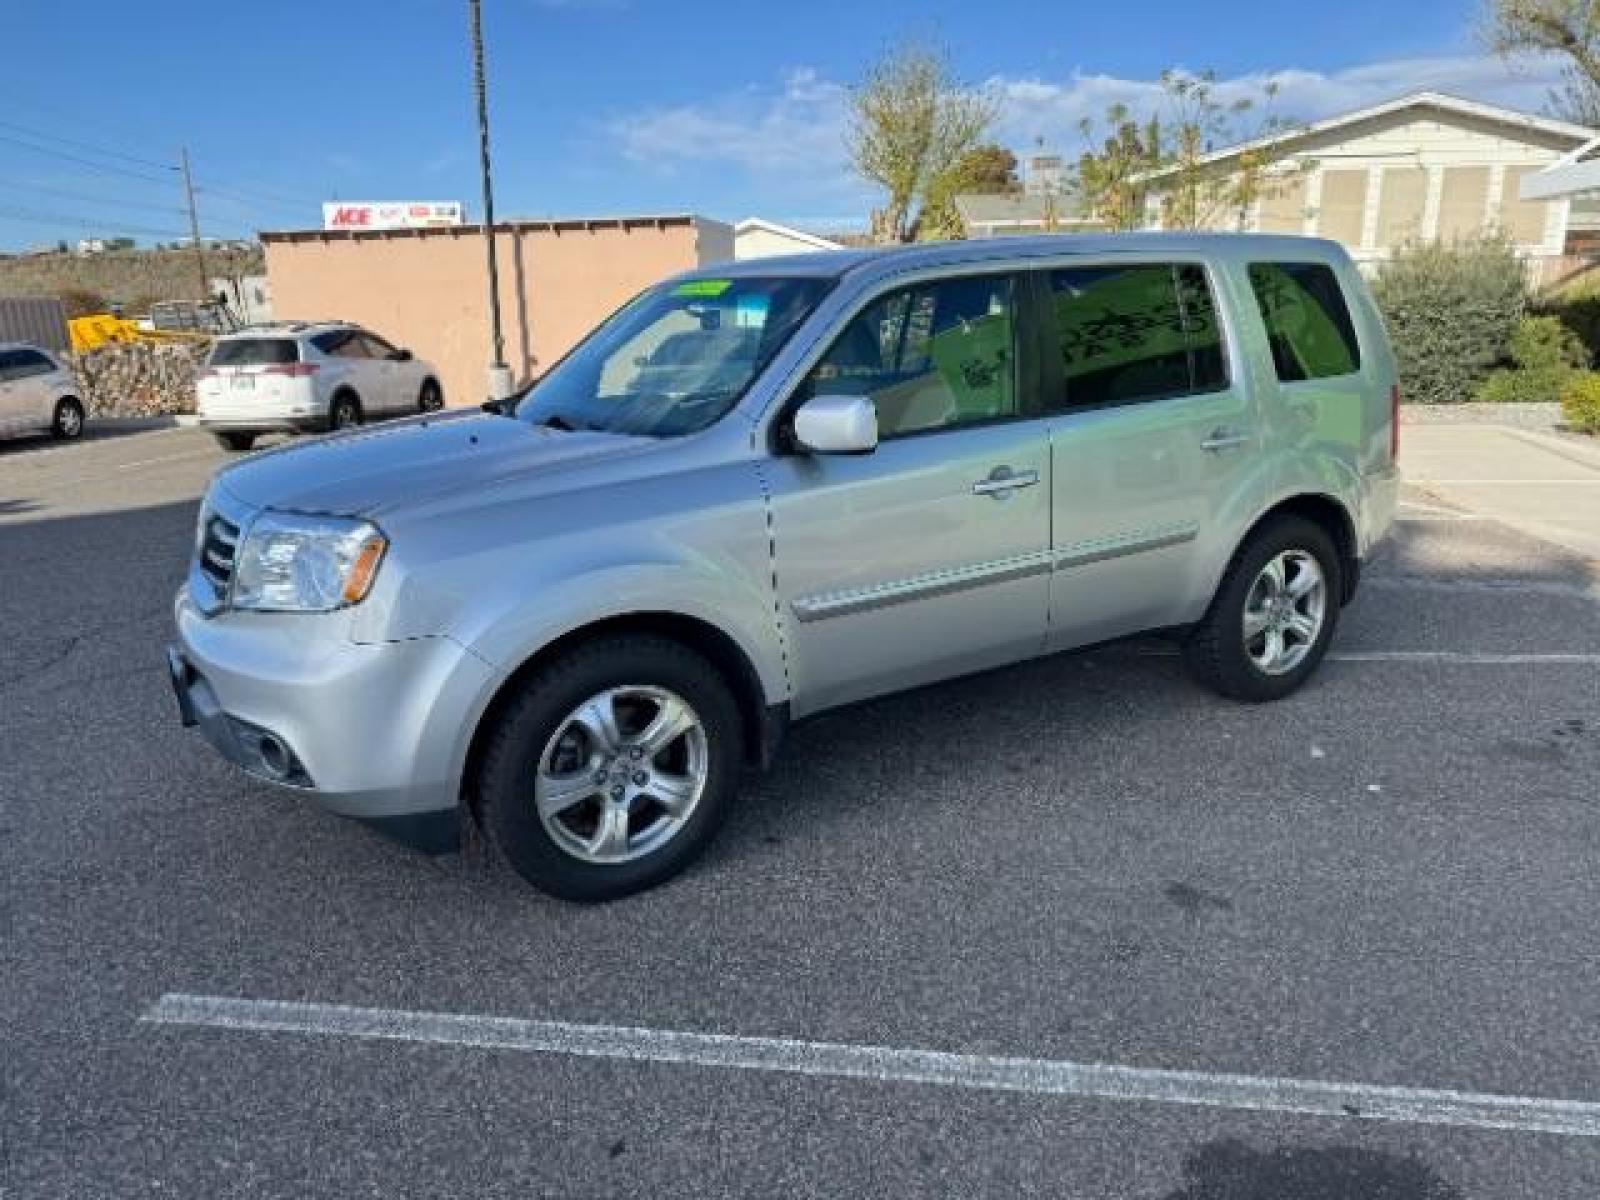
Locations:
{"points": [[788, 138], [1033, 108], [795, 128]]}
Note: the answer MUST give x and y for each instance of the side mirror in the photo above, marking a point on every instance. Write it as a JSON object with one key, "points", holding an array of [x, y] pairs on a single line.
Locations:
{"points": [[837, 425], [401, 355]]}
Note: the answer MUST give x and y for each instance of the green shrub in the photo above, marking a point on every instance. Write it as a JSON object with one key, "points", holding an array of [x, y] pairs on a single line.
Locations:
{"points": [[1451, 308], [1580, 401], [1546, 353], [1539, 342], [1580, 313]]}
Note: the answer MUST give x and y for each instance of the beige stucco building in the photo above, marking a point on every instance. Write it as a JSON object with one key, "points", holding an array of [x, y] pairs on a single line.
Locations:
{"points": [[425, 289], [1422, 167]]}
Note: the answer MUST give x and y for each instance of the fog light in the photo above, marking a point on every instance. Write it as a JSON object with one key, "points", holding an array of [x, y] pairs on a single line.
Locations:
{"points": [[265, 754]]}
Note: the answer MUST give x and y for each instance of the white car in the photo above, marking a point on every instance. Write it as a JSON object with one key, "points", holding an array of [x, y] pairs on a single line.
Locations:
{"points": [[37, 391], [308, 376]]}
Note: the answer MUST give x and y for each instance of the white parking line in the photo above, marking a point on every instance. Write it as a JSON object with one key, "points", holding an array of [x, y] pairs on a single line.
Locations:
{"points": [[886, 1064], [1508, 482], [1454, 657], [1465, 658]]}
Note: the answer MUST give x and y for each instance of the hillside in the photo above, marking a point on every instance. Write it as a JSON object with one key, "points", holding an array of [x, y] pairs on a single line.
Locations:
{"points": [[133, 278]]}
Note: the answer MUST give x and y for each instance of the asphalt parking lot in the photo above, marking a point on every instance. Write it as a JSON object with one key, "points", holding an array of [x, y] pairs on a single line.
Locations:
{"points": [[1387, 881]]}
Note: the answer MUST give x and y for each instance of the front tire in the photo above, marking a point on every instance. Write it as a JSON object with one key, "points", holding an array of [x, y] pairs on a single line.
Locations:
{"points": [[66, 423], [431, 398], [1273, 616], [236, 443], [611, 768]]}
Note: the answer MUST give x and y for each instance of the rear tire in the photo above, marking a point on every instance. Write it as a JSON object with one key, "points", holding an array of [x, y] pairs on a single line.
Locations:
{"points": [[344, 412], [1273, 615], [235, 443], [541, 753], [66, 423], [431, 398]]}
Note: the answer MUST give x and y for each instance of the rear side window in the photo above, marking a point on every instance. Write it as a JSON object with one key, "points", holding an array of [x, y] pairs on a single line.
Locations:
{"points": [[253, 352], [1138, 332], [1308, 322]]}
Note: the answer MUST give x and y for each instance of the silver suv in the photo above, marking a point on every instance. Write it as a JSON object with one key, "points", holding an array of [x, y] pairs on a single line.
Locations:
{"points": [[761, 492]]}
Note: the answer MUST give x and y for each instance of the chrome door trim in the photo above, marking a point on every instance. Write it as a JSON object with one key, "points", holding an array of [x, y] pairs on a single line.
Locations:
{"points": [[821, 606], [1081, 554]]}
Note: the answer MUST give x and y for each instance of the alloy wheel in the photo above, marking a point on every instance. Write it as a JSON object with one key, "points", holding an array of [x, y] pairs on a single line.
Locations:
{"points": [[622, 774], [1284, 612]]}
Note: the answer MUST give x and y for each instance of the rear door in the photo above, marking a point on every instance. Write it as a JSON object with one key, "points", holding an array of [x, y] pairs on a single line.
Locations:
{"points": [[1151, 443], [929, 556]]}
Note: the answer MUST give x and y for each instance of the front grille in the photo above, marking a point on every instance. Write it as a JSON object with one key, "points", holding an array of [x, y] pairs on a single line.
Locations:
{"points": [[218, 544]]}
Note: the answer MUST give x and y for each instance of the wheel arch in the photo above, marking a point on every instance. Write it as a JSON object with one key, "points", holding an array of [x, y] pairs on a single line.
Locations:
{"points": [[761, 724], [1332, 516]]}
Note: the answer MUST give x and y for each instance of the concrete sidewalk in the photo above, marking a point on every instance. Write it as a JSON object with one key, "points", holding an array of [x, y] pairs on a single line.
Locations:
{"points": [[1544, 485]]}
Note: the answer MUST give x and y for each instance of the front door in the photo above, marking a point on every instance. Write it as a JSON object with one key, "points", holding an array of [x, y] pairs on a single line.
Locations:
{"points": [[928, 557], [1151, 447]]}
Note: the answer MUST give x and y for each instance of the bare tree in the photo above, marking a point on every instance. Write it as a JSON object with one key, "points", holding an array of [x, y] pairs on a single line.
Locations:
{"points": [[912, 127], [1169, 155], [1569, 29]]}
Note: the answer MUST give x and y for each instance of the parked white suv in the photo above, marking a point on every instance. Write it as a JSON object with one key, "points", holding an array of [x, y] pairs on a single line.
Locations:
{"points": [[37, 391], [306, 376]]}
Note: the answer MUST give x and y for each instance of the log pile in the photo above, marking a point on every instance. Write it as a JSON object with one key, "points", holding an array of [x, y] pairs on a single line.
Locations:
{"points": [[140, 379]]}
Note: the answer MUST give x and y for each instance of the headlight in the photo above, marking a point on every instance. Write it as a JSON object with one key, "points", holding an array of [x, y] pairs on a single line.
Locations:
{"points": [[293, 563]]}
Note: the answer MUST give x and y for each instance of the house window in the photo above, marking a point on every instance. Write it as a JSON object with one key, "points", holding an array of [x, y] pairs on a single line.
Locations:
{"points": [[1283, 204], [1342, 211], [1522, 220], [1400, 203], [1462, 200]]}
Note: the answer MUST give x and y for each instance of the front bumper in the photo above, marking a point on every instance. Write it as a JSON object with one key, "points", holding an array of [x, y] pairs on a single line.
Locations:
{"points": [[376, 732]]}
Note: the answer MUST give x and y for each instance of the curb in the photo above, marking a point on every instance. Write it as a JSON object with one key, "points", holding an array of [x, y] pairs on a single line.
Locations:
{"points": [[133, 424]]}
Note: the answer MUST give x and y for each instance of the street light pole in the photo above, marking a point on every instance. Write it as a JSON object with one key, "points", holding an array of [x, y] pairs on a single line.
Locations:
{"points": [[499, 373]]}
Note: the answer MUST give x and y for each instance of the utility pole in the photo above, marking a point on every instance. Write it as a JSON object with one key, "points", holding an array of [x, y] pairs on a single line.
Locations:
{"points": [[194, 227], [499, 373]]}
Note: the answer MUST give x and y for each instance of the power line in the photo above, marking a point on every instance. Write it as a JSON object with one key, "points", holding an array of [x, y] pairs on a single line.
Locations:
{"points": [[87, 162], [89, 146], [70, 194], [34, 216]]}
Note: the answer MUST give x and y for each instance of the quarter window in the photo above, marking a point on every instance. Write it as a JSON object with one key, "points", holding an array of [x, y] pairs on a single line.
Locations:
{"points": [[933, 356], [1308, 322], [1140, 332]]}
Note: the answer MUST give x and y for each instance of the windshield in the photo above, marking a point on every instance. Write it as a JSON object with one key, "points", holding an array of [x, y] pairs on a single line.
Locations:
{"points": [[674, 360]]}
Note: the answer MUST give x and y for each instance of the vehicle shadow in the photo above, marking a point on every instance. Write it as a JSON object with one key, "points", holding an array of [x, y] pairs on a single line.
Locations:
{"points": [[1231, 1170], [19, 444]]}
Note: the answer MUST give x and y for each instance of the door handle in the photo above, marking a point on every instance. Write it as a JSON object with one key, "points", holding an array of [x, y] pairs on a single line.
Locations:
{"points": [[1004, 479], [1224, 439]]}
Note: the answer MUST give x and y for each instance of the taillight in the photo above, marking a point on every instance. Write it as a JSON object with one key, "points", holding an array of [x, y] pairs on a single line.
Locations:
{"points": [[1394, 423], [299, 370]]}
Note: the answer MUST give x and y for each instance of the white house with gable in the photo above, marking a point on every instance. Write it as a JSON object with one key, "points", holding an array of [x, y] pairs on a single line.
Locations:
{"points": [[755, 238], [1422, 167]]}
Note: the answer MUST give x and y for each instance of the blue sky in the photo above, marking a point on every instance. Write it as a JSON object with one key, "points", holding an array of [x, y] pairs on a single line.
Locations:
{"points": [[604, 107]]}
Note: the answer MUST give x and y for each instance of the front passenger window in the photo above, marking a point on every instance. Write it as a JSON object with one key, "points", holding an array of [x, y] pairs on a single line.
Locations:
{"points": [[933, 356]]}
